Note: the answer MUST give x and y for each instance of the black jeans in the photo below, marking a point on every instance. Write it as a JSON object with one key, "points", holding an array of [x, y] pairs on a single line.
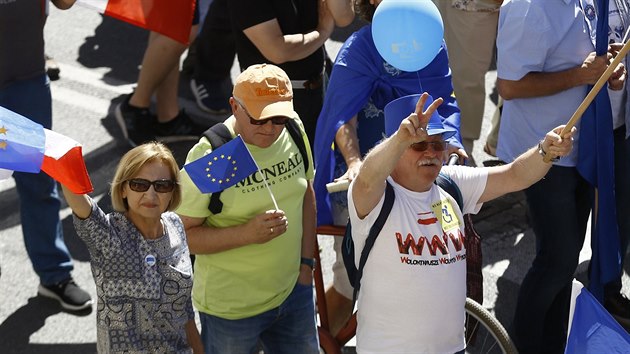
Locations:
{"points": [[622, 196], [308, 103], [559, 207]]}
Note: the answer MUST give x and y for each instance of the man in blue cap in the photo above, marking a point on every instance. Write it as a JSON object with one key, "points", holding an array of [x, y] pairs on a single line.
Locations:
{"points": [[415, 277]]}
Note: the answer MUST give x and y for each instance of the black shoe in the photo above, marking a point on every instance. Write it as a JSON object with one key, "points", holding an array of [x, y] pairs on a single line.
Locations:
{"points": [[68, 294], [180, 128], [136, 123], [52, 69], [211, 96], [619, 307]]}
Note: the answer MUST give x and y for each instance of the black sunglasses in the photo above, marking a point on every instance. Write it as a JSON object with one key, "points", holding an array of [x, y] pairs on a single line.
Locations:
{"points": [[278, 120], [424, 145], [160, 186]]}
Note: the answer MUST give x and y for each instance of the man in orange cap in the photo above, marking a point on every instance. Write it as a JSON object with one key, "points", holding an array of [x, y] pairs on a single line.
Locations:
{"points": [[253, 273]]}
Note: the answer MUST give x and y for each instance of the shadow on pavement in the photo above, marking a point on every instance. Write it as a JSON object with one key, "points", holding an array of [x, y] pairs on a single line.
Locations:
{"points": [[503, 226], [115, 45], [17, 329]]}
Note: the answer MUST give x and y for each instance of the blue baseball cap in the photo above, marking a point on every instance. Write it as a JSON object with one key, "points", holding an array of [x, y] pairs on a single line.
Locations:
{"points": [[402, 107]]}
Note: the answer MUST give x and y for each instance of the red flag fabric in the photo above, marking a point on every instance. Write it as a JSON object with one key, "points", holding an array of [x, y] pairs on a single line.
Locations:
{"points": [[172, 18], [63, 161]]}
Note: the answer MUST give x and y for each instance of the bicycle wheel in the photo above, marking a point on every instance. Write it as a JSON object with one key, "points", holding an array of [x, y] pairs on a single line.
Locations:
{"points": [[484, 333]]}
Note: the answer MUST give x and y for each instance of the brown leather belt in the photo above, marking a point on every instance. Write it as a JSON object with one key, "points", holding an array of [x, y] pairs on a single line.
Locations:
{"points": [[310, 84]]}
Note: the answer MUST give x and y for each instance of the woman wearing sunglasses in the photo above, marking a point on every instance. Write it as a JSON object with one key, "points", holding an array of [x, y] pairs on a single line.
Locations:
{"points": [[139, 257]]}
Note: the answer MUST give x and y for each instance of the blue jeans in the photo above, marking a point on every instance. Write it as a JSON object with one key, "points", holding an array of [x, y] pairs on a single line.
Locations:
{"points": [[39, 200], [622, 195], [289, 328], [559, 207]]}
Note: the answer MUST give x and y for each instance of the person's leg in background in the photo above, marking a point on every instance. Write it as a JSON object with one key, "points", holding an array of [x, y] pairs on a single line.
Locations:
{"points": [[559, 207], [307, 102], [492, 140], [40, 203], [470, 38], [615, 302], [159, 75], [215, 52]]}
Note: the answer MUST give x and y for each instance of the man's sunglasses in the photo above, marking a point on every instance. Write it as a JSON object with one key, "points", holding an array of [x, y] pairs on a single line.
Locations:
{"points": [[424, 145], [278, 120], [143, 185]]}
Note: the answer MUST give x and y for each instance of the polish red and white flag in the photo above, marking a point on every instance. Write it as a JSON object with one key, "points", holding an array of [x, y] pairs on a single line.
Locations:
{"points": [[172, 18], [63, 161]]}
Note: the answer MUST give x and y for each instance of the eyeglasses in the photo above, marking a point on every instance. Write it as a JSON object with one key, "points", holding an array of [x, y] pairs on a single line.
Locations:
{"points": [[160, 186], [278, 120], [424, 145]]}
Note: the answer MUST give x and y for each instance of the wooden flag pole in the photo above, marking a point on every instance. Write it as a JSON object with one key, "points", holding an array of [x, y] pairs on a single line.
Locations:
{"points": [[594, 91]]}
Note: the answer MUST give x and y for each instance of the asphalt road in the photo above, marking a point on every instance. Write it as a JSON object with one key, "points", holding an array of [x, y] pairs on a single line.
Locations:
{"points": [[99, 60]]}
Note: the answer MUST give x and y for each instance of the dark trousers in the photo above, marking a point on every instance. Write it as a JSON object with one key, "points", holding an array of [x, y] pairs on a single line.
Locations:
{"points": [[559, 207], [622, 196], [216, 46], [308, 103]]}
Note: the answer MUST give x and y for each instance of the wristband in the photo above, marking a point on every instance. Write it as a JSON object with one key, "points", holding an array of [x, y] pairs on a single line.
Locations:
{"points": [[308, 261], [543, 153]]}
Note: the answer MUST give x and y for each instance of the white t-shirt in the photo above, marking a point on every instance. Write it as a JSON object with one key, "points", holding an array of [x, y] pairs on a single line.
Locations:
{"points": [[413, 288]]}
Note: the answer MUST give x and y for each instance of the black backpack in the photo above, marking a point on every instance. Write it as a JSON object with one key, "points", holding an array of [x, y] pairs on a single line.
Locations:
{"points": [[219, 134], [347, 248]]}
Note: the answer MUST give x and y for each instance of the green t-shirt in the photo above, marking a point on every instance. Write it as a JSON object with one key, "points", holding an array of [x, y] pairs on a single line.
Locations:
{"points": [[252, 279]]}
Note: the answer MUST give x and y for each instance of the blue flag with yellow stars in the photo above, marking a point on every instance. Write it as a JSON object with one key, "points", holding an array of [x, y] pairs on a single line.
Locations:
{"points": [[223, 167], [22, 143]]}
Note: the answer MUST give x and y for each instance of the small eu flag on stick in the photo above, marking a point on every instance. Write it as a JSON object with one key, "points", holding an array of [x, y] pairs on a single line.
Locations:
{"points": [[223, 167]]}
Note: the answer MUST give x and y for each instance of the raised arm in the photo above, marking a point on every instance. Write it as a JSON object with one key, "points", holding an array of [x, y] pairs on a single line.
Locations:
{"points": [[380, 162], [528, 168], [280, 48], [79, 203]]}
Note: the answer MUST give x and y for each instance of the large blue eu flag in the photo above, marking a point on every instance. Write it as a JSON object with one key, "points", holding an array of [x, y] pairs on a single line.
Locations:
{"points": [[596, 165], [22, 143], [223, 167]]}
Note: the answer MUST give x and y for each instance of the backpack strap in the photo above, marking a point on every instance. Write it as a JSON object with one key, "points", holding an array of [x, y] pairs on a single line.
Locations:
{"points": [[218, 135], [296, 134], [375, 230], [445, 182]]}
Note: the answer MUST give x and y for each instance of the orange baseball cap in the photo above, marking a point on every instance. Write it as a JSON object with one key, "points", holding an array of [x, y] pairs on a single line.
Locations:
{"points": [[265, 91]]}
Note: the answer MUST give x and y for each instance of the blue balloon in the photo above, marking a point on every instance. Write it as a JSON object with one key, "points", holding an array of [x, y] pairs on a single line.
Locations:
{"points": [[407, 33]]}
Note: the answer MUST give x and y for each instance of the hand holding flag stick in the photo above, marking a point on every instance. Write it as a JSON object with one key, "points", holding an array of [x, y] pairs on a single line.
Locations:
{"points": [[575, 118]]}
